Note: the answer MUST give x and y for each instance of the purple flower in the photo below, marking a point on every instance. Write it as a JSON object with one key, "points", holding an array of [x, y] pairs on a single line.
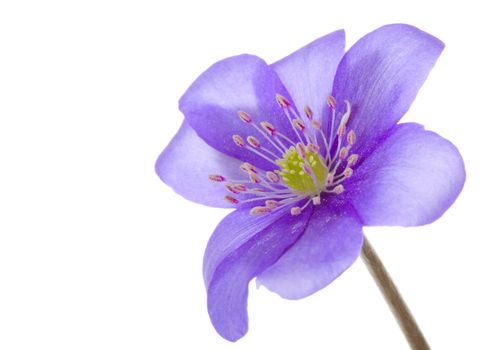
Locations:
{"points": [[308, 150]]}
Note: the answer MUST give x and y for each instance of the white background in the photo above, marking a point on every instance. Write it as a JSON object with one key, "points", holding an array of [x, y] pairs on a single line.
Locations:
{"points": [[97, 253]]}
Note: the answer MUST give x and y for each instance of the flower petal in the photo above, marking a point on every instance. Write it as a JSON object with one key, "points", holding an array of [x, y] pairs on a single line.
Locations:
{"points": [[410, 179], [186, 163], [242, 83], [381, 75], [331, 243], [241, 247], [308, 73]]}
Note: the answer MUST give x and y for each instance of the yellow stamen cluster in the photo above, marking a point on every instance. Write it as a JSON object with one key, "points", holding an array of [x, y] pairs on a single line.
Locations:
{"points": [[305, 175]]}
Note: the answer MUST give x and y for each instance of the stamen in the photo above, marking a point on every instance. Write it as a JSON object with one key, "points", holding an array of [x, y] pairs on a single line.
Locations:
{"points": [[340, 131], [235, 188], [351, 138], [242, 181], [271, 203], [352, 159], [258, 190], [332, 103], [306, 204], [245, 117], [342, 128], [231, 199], [253, 141], [247, 168], [238, 140], [272, 177], [329, 179], [327, 146], [330, 143], [255, 178], [277, 188], [216, 178], [338, 189], [308, 112], [312, 148], [285, 104], [348, 172], [299, 124], [265, 135], [295, 211], [317, 200], [343, 153], [259, 210], [287, 114], [240, 187], [265, 198], [300, 150], [286, 201], [282, 101], [269, 128], [315, 127], [262, 195]]}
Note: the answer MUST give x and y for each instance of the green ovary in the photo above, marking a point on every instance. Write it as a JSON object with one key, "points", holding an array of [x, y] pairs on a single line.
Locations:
{"points": [[294, 176]]}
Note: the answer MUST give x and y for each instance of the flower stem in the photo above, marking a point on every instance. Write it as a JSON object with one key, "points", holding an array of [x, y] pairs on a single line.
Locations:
{"points": [[407, 323]]}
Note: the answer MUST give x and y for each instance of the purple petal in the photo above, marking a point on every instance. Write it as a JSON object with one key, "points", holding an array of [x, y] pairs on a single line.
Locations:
{"points": [[381, 75], [241, 247], [187, 161], [308, 73], [409, 180], [331, 243], [242, 83]]}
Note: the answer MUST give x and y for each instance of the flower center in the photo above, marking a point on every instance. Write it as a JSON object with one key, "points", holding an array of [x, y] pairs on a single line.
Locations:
{"points": [[313, 165], [305, 175]]}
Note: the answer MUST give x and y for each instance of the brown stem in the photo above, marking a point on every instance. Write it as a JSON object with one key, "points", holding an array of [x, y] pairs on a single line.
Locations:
{"points": [[396, 303]]}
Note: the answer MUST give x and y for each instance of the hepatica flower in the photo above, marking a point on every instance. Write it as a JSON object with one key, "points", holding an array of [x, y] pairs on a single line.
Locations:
{"points": [[308, 151]]}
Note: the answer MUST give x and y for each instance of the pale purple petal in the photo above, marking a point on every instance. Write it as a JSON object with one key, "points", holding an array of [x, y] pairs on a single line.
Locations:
{"points": [[411, 179], [331, 243], [242, 83], [308, 73], [187, 161], [241, 247], [381, 75]]}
